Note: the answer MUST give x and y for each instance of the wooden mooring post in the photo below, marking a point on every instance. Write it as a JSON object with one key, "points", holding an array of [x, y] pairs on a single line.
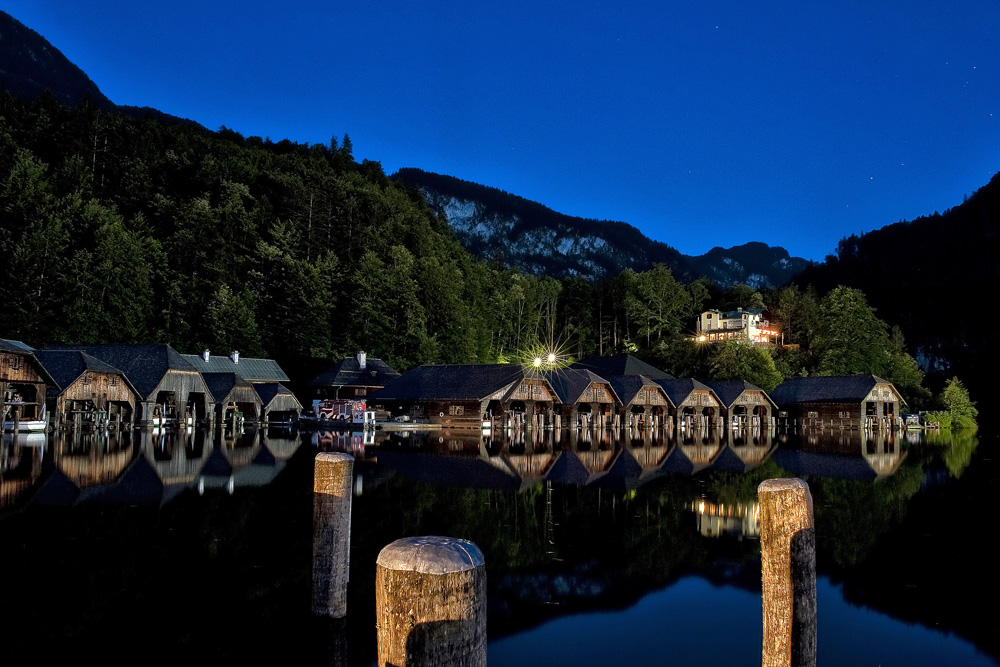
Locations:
{"points": [[788, 573], [332, 483], [430, 603]]}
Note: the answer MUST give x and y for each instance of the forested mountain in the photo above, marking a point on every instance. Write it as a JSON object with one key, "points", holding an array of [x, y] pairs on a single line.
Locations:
{"points": [[30, 65], [932, 277], [497, 225]]}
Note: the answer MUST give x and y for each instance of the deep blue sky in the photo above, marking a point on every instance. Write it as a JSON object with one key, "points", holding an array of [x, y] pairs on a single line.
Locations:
{"points": [[702, 122]]}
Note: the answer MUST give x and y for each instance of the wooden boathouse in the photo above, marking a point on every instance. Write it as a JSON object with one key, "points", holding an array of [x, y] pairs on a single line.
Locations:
{"points": [[644, 404], [352, 377], [22, 388], [277, 403], [842, 401], [743, 404], [171, 390], [584, 399], [235, 400], [86, 392], [696, 405], [468, 396]]}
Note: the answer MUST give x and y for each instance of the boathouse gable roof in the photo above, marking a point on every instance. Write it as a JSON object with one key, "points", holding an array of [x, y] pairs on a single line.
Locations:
{"points": [[269, 392], [8, 345], [729, 391], [678, 389], [453, 382], [66, 366], [348, 373], [621, 364], [828, 389], [627, 387], [220, 385], [145, 365], [248, 368], [570, 384]]}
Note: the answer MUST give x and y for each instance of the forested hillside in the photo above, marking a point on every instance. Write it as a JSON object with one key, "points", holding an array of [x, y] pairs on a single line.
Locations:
{"points": [[933, 277], [118, 229]]}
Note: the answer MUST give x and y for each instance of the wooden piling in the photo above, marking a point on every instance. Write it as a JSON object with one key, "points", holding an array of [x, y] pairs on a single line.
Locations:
{"points": [[332, 482], [430, 603], [788, 573]]}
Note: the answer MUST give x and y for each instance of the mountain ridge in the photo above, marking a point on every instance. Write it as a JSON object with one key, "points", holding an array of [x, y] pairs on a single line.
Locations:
{"points": [[31, 66], [497, 225]]}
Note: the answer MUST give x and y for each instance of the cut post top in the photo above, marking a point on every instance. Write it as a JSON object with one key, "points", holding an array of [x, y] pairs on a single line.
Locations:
{"points": [[333, 457], [782, 484], [431, 555]]}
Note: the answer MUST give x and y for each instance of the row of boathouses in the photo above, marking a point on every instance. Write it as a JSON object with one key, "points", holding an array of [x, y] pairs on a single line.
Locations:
{"points": [[153, 384], [622, 391]]}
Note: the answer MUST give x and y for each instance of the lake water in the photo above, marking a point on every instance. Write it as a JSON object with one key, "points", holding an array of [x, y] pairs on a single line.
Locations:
{"points": [[601, 549]]}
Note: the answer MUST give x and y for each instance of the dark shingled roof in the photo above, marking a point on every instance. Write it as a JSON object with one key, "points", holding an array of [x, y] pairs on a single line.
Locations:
{"points": [[7, 345], [621, 364], [729, 390], [269, 390], [220, 384], [678, 389], [66, 366], [248, 368], [570, 383], [627, 386], [144, 365], [826, 389], [348, 373], [452, 382]]}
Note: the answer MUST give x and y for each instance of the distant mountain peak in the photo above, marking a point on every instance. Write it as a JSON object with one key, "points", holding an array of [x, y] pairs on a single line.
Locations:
{"points": [[495, 224], [29, 65]]}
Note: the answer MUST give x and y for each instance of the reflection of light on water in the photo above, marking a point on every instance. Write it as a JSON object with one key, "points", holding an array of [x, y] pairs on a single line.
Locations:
{"points": [[717, 519]]}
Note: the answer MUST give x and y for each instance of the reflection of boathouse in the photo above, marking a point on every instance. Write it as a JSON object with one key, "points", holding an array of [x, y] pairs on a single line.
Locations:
{"points": [[468, 395], [846, 401], [86, 391], [22, 388]]}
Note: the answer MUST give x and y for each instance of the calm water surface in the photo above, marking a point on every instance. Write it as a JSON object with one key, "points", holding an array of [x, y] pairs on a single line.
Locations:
{"points": [[601, 549]]}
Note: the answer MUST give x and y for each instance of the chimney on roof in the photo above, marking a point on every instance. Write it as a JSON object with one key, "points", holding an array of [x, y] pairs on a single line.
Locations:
{"points": [[362, 360], [235, 356], [205, 355]]}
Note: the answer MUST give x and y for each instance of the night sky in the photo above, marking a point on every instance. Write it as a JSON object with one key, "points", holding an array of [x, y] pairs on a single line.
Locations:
{"points": [[702, 123]]}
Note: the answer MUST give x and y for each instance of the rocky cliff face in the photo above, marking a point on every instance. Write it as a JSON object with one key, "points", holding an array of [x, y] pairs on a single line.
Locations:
{"points": [[497, 225]]}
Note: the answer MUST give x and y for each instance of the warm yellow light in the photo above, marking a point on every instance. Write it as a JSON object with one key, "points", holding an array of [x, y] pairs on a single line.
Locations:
{"points": [[552, 357], [538, 362]]}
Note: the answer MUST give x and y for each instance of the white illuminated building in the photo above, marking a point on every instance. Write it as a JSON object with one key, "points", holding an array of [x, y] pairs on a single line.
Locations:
{"points": [[744, 325]]}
